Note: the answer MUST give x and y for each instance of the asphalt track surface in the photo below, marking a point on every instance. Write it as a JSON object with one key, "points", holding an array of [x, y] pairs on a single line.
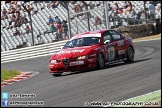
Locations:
{"points": [[114, 83]]}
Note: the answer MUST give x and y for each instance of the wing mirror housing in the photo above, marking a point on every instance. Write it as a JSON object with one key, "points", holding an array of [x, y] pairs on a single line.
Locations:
{"points": [[106, 42]]}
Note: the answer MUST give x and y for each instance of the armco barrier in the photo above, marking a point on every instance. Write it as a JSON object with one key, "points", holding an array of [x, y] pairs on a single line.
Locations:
{"points": [[31, 52]]}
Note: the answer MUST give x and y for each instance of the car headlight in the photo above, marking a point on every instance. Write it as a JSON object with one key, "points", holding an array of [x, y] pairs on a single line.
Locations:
{"points": [[82, 57], [55, 61]]}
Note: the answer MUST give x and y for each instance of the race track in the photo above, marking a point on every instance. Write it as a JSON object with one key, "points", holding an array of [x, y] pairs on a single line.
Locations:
{"points": [[115, 83]]}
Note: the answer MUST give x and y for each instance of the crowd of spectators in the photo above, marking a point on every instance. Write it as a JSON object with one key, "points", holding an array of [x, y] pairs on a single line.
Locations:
{"points": [[58, 26], [13, 14], [14, 11], [127, 7]]}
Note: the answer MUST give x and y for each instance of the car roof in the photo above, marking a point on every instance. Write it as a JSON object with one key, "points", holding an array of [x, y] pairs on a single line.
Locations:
{"points": [[84, 34], [92, 32]]}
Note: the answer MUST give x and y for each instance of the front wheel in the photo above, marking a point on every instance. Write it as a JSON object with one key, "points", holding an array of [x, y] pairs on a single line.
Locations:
{"points": [[129, 55], [100, 61], [57, 74]]}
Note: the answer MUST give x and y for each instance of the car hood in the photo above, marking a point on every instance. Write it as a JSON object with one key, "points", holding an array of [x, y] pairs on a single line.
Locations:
{"points": [[74, 52]]}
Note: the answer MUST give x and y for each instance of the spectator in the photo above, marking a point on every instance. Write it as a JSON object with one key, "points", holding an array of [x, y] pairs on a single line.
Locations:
{"points": [[12, 24], [53, 4], [18, 22], [84, 17], [109, 7], [9, 11], [151, 9], [4, 14], [13, 2], [27, 29], [24, 19], [97, 20], [135, 16], [49, 5], [57, 19], [89, 3], [30, 9], [129, 8], [142, 16], [158, 7], [32, 2], [115, 7], [52, 28], [125, 5], [77, 9], [8, 5], [50, 20], [17, 7], [59, 30], [13, 17], [16, 32], [65, 29], [12, 9], [13, 20], [17, 14]]}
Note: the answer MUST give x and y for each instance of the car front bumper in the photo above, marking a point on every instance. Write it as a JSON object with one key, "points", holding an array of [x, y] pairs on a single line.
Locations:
{"points": [[73, 65]]}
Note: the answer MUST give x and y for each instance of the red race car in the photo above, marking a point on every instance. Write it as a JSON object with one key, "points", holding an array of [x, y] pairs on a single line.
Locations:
{"points": [[94, 49]]}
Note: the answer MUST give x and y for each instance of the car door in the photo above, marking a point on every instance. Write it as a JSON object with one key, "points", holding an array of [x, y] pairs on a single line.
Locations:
{"points": [[110, 47], [120, 43]]}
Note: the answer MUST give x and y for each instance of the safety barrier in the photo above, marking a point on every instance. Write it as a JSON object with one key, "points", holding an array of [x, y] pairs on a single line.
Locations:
{"points": [[31, 52]]}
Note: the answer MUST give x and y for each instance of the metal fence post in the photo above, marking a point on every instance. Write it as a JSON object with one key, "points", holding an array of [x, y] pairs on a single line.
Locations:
{"points": [[31, 28], [106, 14]]}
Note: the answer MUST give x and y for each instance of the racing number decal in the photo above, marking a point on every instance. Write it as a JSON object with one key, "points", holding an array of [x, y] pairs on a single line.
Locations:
{"points": [[111, 53]]}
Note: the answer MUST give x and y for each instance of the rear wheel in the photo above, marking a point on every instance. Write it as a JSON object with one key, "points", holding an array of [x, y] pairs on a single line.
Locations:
{"points": [[57, 74], [100, 61], [129, 55]]}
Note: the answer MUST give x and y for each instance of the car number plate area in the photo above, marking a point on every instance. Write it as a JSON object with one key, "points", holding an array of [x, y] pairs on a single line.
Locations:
{"points": [[76, 63]]}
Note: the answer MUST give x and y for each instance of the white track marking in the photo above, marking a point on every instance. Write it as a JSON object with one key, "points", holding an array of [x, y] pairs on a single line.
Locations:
{"points": [[142, 95]]}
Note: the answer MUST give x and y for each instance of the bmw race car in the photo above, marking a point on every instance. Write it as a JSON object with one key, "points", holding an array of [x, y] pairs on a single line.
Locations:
{"points": [[93, 49]]}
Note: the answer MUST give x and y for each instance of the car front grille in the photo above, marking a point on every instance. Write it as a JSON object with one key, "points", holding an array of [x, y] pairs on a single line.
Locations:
{"points": [[65, 61]]}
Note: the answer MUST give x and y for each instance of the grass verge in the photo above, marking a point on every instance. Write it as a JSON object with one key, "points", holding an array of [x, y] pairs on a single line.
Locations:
{"points": [[152, 99], [8, 74]]}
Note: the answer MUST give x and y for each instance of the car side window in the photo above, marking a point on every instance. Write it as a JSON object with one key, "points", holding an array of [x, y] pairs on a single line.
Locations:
{"points": [[115, 35], [107, 36]]}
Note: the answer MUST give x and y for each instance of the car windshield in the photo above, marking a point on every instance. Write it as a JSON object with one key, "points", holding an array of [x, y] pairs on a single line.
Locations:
{"points": [[84, 41]]}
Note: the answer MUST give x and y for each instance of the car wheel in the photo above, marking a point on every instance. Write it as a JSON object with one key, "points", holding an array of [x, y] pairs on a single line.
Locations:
{"points": [[100, 61], [129, 55], [57, 74]]}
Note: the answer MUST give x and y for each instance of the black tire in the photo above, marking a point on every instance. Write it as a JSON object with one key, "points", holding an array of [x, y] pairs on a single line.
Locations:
{"points": [[129, 55], [57, 74], [73, 71], [100, 61]]}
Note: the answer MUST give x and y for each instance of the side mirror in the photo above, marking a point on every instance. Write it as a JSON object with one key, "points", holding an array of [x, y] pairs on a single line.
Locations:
{"points": [[61, 47], [106, 42]]}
